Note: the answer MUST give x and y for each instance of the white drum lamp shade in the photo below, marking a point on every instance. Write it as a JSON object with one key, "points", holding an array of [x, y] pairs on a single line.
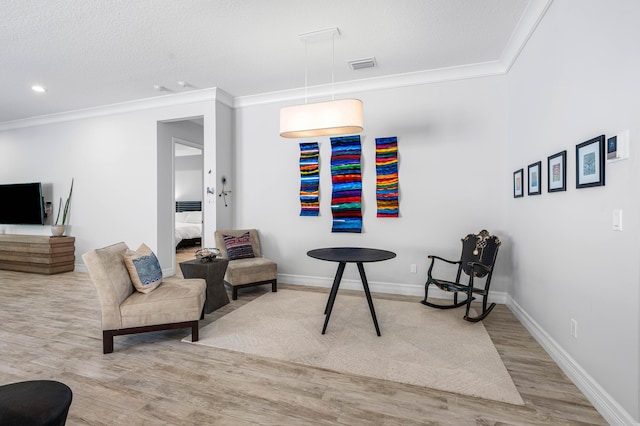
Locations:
{"points": [[341, 117]]}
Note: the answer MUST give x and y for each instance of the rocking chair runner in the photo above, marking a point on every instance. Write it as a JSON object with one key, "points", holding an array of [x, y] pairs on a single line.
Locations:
{"points": [[479, 252]]}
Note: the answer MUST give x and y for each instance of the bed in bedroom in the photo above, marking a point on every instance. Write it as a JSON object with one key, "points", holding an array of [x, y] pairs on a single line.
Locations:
{"points": [[188, 223]]}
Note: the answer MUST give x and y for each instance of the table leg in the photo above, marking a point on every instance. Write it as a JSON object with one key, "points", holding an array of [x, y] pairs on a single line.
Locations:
{"points": [[333, 294], [368, 293]]}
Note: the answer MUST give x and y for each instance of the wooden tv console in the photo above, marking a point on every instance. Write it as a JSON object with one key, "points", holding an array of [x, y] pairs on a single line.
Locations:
{"points": [[39, 254]]}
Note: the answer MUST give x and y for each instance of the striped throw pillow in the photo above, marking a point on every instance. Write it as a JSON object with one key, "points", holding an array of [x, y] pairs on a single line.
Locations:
{"points": [[238, 247]]}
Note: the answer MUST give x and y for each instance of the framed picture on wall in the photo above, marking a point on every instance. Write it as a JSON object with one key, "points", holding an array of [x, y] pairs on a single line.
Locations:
{"points": [[517, 183], [590, 161], [534, 178], [557, 172]]}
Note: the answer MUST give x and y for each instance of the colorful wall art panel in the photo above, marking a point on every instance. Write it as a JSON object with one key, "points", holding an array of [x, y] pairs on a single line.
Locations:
{"points": [[387, 176], [346, 197], [309, 179]]}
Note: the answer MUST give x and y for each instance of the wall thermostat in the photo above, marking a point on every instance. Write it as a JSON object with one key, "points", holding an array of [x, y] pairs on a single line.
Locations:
{"points": [[612, 147], [618, 146]]}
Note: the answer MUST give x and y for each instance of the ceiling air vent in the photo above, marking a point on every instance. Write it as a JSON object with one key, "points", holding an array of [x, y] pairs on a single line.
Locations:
{"points": [[360, 64]]}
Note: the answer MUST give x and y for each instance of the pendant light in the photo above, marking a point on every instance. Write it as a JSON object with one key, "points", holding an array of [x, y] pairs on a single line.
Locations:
{"points": [[335, 117]]}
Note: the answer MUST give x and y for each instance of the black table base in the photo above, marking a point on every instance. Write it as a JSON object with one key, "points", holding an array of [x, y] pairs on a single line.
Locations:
{"points": [[344, 255], [334, 293]]}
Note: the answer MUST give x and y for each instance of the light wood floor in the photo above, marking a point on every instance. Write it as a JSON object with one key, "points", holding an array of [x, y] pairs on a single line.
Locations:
{"points": [[51, 330]]}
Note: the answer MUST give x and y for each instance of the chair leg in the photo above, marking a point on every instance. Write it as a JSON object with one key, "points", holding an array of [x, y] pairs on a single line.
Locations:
{"points": [[107, 342], [274, 286], [469, 299], [483, 314], [455, 304], [194, 332], [426, 293]]}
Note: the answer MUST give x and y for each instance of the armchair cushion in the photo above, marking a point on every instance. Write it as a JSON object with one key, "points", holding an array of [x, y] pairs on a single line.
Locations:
{"points": [[176, 300], [244, 271], [238, 247], [144, 269]]}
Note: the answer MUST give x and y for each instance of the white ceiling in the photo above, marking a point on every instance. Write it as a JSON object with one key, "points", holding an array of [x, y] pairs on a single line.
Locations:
{"points": [[90, 53]]}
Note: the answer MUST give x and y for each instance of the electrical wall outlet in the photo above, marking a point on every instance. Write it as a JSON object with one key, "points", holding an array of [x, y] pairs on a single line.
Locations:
{"points": [[574, 328], [413, 268]]}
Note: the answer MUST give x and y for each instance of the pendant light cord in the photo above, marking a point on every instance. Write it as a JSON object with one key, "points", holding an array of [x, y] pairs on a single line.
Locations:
{"points": [[305, 72], [333, 62]]}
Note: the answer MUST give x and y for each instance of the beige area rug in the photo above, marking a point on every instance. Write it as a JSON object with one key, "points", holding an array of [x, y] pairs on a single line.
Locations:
{"points": [[419, 345]]}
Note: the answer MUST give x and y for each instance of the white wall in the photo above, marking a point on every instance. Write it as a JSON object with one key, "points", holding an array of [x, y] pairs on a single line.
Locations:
{"points": [[224, 155], [189, 178], [189, 175], [577, 79], [451, 141], [113, 159]]}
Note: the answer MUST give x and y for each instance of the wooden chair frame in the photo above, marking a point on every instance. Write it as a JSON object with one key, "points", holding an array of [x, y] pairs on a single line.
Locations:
{"points": [[470, 264]]}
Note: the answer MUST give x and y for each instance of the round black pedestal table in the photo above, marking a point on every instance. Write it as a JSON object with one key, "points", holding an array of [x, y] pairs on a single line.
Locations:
{"points": [[35, 403], [344, 255]]}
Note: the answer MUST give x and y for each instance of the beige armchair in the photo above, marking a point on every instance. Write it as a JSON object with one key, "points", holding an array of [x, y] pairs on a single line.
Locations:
{"points": [[251, 268], [175, 303]]}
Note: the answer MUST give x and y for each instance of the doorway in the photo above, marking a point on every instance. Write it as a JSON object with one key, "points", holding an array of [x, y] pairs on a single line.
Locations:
{"points": [[180, 145], [188, 172]]}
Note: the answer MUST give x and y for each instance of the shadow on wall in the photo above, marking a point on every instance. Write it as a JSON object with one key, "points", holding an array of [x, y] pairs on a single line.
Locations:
{"points": [[503, 274]]}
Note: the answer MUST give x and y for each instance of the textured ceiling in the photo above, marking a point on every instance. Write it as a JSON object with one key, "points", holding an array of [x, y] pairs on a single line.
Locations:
{"points": [[89, 53]]}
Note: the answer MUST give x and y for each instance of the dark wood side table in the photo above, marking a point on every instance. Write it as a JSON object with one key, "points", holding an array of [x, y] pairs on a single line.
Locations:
{"points": [[213, 273], [344, 255]]}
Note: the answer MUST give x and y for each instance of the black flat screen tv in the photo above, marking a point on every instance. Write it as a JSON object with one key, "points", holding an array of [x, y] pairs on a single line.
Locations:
{"points": [[21, 204]]}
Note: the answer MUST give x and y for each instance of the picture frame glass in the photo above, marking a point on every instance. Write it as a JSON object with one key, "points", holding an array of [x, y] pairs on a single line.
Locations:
{"points": [[534, 178], [589, 164], [557, 172], [517, 184]]}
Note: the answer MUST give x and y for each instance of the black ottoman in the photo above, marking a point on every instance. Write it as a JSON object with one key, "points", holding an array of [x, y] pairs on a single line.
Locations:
{"points": [[37, 402]]}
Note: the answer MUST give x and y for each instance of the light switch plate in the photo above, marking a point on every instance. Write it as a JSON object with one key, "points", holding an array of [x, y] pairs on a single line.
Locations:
{"points": [[617, 220]]}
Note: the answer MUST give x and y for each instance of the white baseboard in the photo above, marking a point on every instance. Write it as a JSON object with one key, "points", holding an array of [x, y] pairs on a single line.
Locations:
{"points": [[349, 284], [601, 400], [379, 287]]}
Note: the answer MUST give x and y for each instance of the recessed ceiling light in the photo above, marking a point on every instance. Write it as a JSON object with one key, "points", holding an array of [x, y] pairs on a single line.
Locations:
{"points": [[160, 88], [38, 89]]}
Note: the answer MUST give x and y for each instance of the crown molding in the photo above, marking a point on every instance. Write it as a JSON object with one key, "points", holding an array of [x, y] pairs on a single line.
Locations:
{"points": [[533, 14], [439, 75], [203, 95]]}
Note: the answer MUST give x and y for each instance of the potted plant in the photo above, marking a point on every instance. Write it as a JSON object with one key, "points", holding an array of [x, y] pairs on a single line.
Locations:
{"points": [[58, 229]]}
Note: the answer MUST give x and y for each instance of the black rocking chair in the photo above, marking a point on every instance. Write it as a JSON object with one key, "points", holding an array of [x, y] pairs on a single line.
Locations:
{"points": [[478, 256]]}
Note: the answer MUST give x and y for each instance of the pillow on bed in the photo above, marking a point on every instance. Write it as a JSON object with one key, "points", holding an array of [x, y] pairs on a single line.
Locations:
{"points": [[144, 269], [193, 217], [181, 216], [238, 247]]}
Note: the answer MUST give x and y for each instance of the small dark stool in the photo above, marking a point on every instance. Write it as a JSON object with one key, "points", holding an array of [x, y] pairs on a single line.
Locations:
{"points": [[213, 274], [35, 403]]}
